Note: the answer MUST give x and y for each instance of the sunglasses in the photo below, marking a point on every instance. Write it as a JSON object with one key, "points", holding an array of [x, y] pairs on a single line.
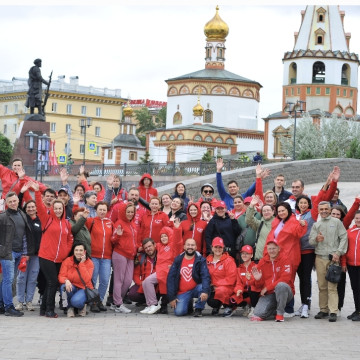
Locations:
{"points": [[208, 192]]}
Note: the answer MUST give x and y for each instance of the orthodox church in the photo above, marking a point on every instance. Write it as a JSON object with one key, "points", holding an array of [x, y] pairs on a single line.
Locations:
{"points": [[320, 75], [209, 110]]}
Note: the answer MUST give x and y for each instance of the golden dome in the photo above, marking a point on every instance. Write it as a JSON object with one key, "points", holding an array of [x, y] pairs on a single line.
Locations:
{"points": [[128, 111], [198, 110], [216, 28]]}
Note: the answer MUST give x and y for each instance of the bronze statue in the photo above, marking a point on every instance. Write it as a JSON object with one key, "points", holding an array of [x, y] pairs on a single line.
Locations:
{"points": [[35, 82]]}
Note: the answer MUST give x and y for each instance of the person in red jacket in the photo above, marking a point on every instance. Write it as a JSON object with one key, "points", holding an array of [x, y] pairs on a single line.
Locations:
{"points": [[78, 262], [125, 248], [222, 269], [101, 230], [351, 263], [273, 275], [145, 188], [192, 228], [55, 246], [152, 222]]}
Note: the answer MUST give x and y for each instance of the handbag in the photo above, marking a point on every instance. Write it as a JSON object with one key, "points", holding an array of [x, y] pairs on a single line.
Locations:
{"points": [[333, 273], [92, 295]]}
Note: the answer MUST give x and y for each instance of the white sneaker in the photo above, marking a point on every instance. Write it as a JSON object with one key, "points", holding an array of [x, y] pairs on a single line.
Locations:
{"points": [[251, 313], [299, 310], [305, 312], [153, 309], [289, 315], [246, 310], [70, 312], [122, 309], [145, 311], [19, 307], [30, 306], [112, 306]]}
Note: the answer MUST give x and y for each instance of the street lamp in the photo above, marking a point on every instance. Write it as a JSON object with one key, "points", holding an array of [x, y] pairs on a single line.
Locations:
{"points": [[39, 144], [298, 107], [84, 124]]}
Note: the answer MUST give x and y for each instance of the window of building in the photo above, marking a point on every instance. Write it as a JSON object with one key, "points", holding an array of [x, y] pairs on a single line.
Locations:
{"points": [[97, 150], [308, 90], [177, 119], [208, 116], [83, 110], [54, 107], [209, 139], [172, 137], [351, 93], [110, 154], [68, 108], [82, 130], [5, 129], [321, 18], [180, 137], [230, 141], [163, 138], [338, 92], [318, 72], [68, 128], [82, 148], [298, 91], [327, 91], [97, 130], [6, 109], [15, 128], [133, 155], [219, 140], [319, 40], [292, 73], [292, 91], [345, 74], [16, 108], [98, 112], [286, 92], [344, 92], [197, 138], [53, 127], [317, 91]]}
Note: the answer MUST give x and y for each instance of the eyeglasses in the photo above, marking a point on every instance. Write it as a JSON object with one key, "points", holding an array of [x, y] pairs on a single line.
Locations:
{"points": [[208, 192]]}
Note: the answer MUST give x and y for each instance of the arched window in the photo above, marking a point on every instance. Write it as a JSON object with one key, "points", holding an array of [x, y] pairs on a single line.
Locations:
{"points": [[172, 137], [219, 140], [292, 73], [209, 139], [318, 72], [208, 116], [345, 74], [229, 141], [177, 119], [163, 138], [197, 138], [180, 137]]}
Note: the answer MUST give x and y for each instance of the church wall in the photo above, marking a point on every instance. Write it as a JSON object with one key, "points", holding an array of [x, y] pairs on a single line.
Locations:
{"points": [[249, 144]]}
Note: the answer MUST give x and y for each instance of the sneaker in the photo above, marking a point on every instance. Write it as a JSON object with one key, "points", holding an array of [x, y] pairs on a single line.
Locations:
{"points": [[215, 311], [289, 315], [299, 310], [51, 314], [198, 313], [304, 312], [109, 301], [256, 318], [127, 301], [349, 317], [94, 308], [251, 313], [246, 310], [13, 312], [42, 312], [112, 306], [82, 312], [19, 307], [228, 312], [321, 315], [279, 318], [333, 317], [70, 312], [30, 306], [122, 309], [145, 311], [154, 309], [2, 309], [102, 307]]}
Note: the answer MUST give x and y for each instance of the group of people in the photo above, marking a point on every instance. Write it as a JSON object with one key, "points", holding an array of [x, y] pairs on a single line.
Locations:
{"points": [[239, 252]]}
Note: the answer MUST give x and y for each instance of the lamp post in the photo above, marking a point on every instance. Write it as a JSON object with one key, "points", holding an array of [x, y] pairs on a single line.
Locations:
{"points": [[40, 146], [298, 107], [85, 123]]}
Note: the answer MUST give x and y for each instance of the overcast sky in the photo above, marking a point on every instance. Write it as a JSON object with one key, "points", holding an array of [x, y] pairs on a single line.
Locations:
{"points": [[134, 46]]}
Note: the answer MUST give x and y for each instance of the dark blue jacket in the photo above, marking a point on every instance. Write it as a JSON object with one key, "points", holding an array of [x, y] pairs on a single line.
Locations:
{"points": [[283, 196], [184, 197], [200, 274]]}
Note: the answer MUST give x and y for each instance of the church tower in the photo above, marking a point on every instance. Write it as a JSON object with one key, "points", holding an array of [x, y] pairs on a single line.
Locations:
{"points": [[321, 70]]}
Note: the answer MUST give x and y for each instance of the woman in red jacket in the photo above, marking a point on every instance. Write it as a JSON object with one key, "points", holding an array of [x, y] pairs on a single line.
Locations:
{"points": [[125, 247], [222, 269], [146, 189], [351, 263], [55, 246], [69, 276], [152, 222], [101, 230]]}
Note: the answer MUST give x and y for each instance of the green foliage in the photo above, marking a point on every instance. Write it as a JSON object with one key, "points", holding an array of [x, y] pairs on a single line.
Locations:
{"points": [[146, 158], [6, 150], [207, 157], [354, 149], [160, 119], [243, 157], [144, 119]]}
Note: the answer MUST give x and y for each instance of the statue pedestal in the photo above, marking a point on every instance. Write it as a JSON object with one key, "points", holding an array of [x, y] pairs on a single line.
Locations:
{"points": [[34, 117]]}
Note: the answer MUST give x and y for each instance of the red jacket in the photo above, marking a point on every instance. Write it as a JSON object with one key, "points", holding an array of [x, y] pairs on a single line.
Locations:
{"points": [[101, 231], [100, 195], [57, 239], [223, 276], [68, 272], [144, 267], [273, 272], [165, 257], [151, 225], [125, 244], [288, 239], [140, 211], [349, 217], [242, 283], [352, 256], [146, 192]]}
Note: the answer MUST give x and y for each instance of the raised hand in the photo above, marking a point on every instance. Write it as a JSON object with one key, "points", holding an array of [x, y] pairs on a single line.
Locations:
{"points": [[219, 164], [336, 173], [177, 223], [258, 170], [21, 173], [76, 198], [86, 213], [26, 187], [265, 173], [34, 185], [256, 273], [255, 200], [110, 180], [231, 215], [81, 169], [64, 176]]}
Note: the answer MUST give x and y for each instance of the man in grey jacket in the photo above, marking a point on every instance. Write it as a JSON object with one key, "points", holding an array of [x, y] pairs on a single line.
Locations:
{"points": [[329, 237]]}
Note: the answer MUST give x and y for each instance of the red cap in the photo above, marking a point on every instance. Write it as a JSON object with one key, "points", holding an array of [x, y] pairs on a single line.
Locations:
{"points": [[247, 248], [248, 199], [22, 264], [272, 241], [218, 241], [220, 204]]}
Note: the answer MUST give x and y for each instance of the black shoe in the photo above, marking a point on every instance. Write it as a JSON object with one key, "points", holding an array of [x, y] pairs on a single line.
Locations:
{"points": [[333, 317], [322, 315], [163, 310], [190, 308], [109, 300], [349, 317], [65, 311], [51, 314], [197, 313], [215, 311], [61, 307], [127, 301], [13, 312], [2, 309], [228, 312], [42, 312], [356, 317], [94, 308], [102, 307]]}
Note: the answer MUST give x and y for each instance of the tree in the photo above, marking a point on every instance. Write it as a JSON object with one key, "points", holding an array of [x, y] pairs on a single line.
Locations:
{"points": [[160, 119], [144, 121], [146, 158], [207, 157], [6, 150], [354, 149]]}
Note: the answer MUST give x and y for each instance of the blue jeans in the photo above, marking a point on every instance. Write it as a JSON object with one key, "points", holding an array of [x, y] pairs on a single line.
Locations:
{"points": [[102, 268], [26, 281], [184, 300], [8, 269], [76, 297]]}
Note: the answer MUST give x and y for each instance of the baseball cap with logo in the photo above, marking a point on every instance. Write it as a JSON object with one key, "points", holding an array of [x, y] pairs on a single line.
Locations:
{"points": [[218, 241]]}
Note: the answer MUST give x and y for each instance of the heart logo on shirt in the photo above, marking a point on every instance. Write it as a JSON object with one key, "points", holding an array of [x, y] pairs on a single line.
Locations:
{"points": [[186, 273]]}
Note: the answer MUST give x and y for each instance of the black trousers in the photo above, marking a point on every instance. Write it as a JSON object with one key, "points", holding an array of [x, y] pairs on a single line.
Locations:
{"points": [[304, 273], [51, 271], [341, 290], [354, 275]]}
